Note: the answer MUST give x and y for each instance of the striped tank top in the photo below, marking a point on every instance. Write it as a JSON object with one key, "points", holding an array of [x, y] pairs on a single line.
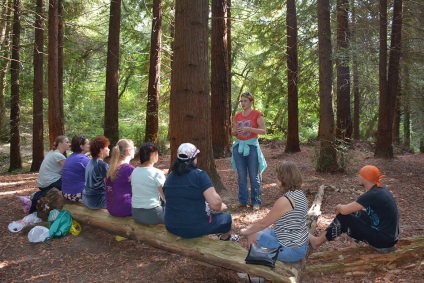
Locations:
{"points": [[291, 229]]}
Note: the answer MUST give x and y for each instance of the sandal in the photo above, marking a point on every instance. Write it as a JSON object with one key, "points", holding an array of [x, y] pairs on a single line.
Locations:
{"points": [[232, 237]]}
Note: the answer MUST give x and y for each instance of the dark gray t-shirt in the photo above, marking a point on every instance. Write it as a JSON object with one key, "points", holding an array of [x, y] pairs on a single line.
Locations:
{"points": [[382, 209], [95, 173]]}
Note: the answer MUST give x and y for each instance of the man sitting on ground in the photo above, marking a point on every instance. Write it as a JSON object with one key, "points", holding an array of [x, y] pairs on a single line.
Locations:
{"points": [[378, 225]]}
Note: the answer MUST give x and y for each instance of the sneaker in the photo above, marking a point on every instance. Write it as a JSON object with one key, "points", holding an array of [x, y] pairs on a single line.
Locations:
{"points": [[231, 237], [256, 207]]}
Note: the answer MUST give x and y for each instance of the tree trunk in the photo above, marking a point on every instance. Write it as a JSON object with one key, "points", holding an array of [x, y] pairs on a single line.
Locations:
{"points": [[15, 115], [356, 96], [383, 147], [220, 77], [204, 249], [344, 120], [5, 26], [152, 115], [111, 129], [396, 119], [327, 161], [60, 34], [393, 81], [56, 120], [407, 111], [292, 79], [38, 91], [190, 118], [362, 260]]}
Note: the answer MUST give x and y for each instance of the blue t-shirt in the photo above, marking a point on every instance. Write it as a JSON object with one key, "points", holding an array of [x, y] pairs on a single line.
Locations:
{"points": [[73, 173], [95, 173], [382, 209], [185, 204]]}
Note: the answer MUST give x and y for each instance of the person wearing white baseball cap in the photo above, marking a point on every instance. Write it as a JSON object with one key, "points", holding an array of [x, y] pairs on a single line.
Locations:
{"points": [[193, 207]]}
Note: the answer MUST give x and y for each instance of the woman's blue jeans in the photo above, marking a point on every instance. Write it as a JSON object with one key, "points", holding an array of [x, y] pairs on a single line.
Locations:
{"points": [[248, 165]]}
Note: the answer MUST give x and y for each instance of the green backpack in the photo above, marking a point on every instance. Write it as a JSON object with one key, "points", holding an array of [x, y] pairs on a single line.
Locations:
{"points": [[60, 222]]}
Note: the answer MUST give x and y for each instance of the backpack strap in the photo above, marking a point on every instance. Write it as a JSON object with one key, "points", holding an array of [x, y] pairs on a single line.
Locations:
{"points": [[290, 202]]}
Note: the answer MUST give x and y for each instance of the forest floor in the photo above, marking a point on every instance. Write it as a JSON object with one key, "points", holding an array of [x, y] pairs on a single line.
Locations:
{"points": [[96, 256]]}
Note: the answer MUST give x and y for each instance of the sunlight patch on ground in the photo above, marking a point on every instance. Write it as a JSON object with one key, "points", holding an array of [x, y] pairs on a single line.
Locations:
{"points": [[269, 185], [12, 183], [17, 192]]}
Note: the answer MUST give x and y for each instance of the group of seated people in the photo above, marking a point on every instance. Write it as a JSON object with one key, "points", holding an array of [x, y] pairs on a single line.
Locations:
{"points": [[189, 206]]}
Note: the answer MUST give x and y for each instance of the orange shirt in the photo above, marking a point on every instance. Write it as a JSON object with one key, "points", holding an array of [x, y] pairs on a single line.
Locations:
{"points": [[249, 121]]}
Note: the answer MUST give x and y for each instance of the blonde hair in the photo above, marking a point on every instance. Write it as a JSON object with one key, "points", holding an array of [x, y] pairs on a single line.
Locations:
{"points": [[118, 154], [289, 175]]}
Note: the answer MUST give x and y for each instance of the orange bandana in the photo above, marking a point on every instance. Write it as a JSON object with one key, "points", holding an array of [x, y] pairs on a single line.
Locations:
{"points": [[371, 173]]}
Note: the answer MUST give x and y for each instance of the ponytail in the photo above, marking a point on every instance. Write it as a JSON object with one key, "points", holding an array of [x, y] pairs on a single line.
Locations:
{"points": [[118, 154]]}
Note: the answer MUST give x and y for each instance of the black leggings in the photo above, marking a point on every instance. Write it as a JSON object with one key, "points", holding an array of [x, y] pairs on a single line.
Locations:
{"points": [[42, 193], [358, 226]]}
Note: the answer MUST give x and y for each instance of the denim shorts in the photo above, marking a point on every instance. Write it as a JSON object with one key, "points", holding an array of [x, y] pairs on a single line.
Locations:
{"points": [[267, 238]]}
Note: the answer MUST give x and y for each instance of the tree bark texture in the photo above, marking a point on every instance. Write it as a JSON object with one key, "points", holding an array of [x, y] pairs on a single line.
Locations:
{"points": [[383, 147], [406, 111], [344, 119], [111, 126], [190, 118], [355, 71], [15, 115], [220, 78], [219, 253], [38, 89], [327, 161], [60, 36], [152, 115], [292, 79], [56, 119], [393, 81], [5, 34], [365, 259]]}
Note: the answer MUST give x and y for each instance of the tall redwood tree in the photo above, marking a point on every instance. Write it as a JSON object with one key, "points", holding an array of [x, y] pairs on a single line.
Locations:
{"points": [[190, 118], [111, 126], [327, 161], [220, 82], [55, 109], [292, 79], [38, 91], [388, 79], [344, 119], [15, 115], [152, 115]]}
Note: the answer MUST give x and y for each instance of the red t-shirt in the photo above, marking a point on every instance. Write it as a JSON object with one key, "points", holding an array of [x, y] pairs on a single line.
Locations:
{"points": [[250, 120]]}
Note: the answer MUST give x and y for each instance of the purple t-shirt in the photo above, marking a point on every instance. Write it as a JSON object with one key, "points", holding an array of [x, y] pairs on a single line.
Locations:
{"points": [[73, 173], [119, 193]]}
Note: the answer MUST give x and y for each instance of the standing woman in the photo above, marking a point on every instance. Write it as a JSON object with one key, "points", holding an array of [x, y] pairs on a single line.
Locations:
{"points": [[147, 182], [50, 173], [73, 173], [118, 183], [288, 217], [93, 195], [247, 155]]}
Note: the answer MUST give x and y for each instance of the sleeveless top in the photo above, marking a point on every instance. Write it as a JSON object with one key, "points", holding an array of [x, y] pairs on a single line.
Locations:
{"points": [[291, 229]]}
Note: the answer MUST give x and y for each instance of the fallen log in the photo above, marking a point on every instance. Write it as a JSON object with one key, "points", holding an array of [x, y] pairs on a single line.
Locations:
{"points": [[204, 249], [363, 259]]}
